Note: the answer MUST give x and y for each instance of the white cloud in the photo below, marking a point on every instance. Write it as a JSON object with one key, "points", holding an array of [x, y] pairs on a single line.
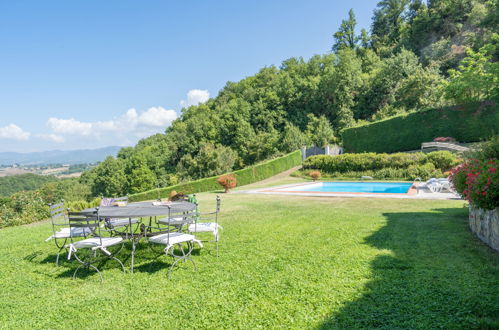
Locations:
{"points": [[52, 137], [194, 97], [13, 132], [152, 121], [69, 126], [157, 117]]}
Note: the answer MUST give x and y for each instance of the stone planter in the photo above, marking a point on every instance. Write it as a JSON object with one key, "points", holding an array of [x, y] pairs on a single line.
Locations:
{"points": [[485, 225]]}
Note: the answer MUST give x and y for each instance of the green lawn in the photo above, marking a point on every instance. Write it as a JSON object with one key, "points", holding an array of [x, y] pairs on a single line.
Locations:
{"points": [[285, 262]]}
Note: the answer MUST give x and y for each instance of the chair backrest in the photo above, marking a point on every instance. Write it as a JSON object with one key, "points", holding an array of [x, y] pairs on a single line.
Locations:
{"points": [[84, 221], [58, 216], [212, 216], [219, 203], [108, 201], [121, 199], [187, 217]]}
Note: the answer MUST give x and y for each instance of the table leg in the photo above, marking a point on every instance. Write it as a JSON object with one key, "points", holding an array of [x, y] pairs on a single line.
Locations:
{"points": [[133, 254]]}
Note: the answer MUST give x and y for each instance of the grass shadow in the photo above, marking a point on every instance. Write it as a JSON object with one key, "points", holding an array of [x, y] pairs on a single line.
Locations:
{"points": [[152, 267], [431, 273]]}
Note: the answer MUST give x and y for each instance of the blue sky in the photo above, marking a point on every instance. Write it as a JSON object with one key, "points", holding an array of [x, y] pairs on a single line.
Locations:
{"points": [[88, 74]]}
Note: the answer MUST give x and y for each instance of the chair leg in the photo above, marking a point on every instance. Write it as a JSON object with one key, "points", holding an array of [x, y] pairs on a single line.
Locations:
{"points": [[191, 247], [61, 247], [215, 233], [119, 261], [177, 258], [88, 266], [58, 255]]}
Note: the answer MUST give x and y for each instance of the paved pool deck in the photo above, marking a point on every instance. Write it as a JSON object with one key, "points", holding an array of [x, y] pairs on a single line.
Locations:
{"points": [[414, 193]]}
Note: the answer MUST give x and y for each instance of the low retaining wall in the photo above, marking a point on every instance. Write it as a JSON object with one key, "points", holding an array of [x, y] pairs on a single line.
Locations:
{"points": [[485, 224]]}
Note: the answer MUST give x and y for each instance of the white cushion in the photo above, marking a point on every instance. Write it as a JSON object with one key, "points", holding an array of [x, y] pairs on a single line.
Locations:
{"points": [[175, 238], [122, 222], [74, 232], [204, 227], [173, 221], [96, 242]]}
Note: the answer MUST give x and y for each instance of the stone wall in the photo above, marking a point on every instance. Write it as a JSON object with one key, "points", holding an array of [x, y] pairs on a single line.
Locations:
{"points": [[485, 224]]}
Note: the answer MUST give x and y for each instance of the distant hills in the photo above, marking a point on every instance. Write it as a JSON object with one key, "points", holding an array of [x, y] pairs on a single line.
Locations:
{"points": [[58, 156]]}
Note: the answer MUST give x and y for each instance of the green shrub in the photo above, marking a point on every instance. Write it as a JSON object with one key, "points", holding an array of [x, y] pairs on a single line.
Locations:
{"points": [[245, 176], [486, 150], [384, 166], [22, 208], [424, 172], [388, 173], [443, 160], [76, 206], [467, 123]]}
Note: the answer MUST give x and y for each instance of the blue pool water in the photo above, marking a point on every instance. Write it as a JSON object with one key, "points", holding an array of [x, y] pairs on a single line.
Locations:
{"points": [[360, 187]]}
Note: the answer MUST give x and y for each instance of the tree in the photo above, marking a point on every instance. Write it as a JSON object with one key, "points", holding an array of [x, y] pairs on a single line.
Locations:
{"points": [[211, 160], [345, 37], [388, 22], [109, 179], [477, 77], [263, 146], [365, 39], [386, 80], [292, 138], [340, 87], [319, 131], [139, 175]]}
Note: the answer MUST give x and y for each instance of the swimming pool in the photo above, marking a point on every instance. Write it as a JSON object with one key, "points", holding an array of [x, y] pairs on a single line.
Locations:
{"points": [[351, 187]]}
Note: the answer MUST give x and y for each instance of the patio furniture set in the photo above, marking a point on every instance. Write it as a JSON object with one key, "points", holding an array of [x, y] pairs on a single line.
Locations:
{"points": [[436, 185], [93, 233]]}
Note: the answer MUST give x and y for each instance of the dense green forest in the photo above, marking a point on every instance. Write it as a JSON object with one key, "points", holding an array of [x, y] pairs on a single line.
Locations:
{"points": [[15, 183]]}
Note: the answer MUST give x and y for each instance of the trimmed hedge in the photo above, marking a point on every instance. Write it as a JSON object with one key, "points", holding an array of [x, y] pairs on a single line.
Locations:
{"points": [[384, 166], [466, 123], [245, 176]]}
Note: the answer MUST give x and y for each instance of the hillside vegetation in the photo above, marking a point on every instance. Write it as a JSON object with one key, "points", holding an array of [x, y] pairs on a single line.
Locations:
{"points": [[15, 183], [416, 56]]}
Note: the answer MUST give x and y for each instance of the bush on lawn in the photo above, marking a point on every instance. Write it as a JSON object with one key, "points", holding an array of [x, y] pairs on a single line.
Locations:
{"points": [[227, 181], [477, 179], [478, 182], [315, 175]]}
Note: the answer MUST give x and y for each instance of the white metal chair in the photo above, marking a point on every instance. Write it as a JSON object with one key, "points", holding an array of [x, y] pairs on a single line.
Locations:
{"points": [[174, 239], [95, 244], [61, 230], [208, 223]]}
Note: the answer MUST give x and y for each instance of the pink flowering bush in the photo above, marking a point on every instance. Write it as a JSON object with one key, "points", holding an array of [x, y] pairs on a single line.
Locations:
{"points": [[478, 182], [444, 139]]}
